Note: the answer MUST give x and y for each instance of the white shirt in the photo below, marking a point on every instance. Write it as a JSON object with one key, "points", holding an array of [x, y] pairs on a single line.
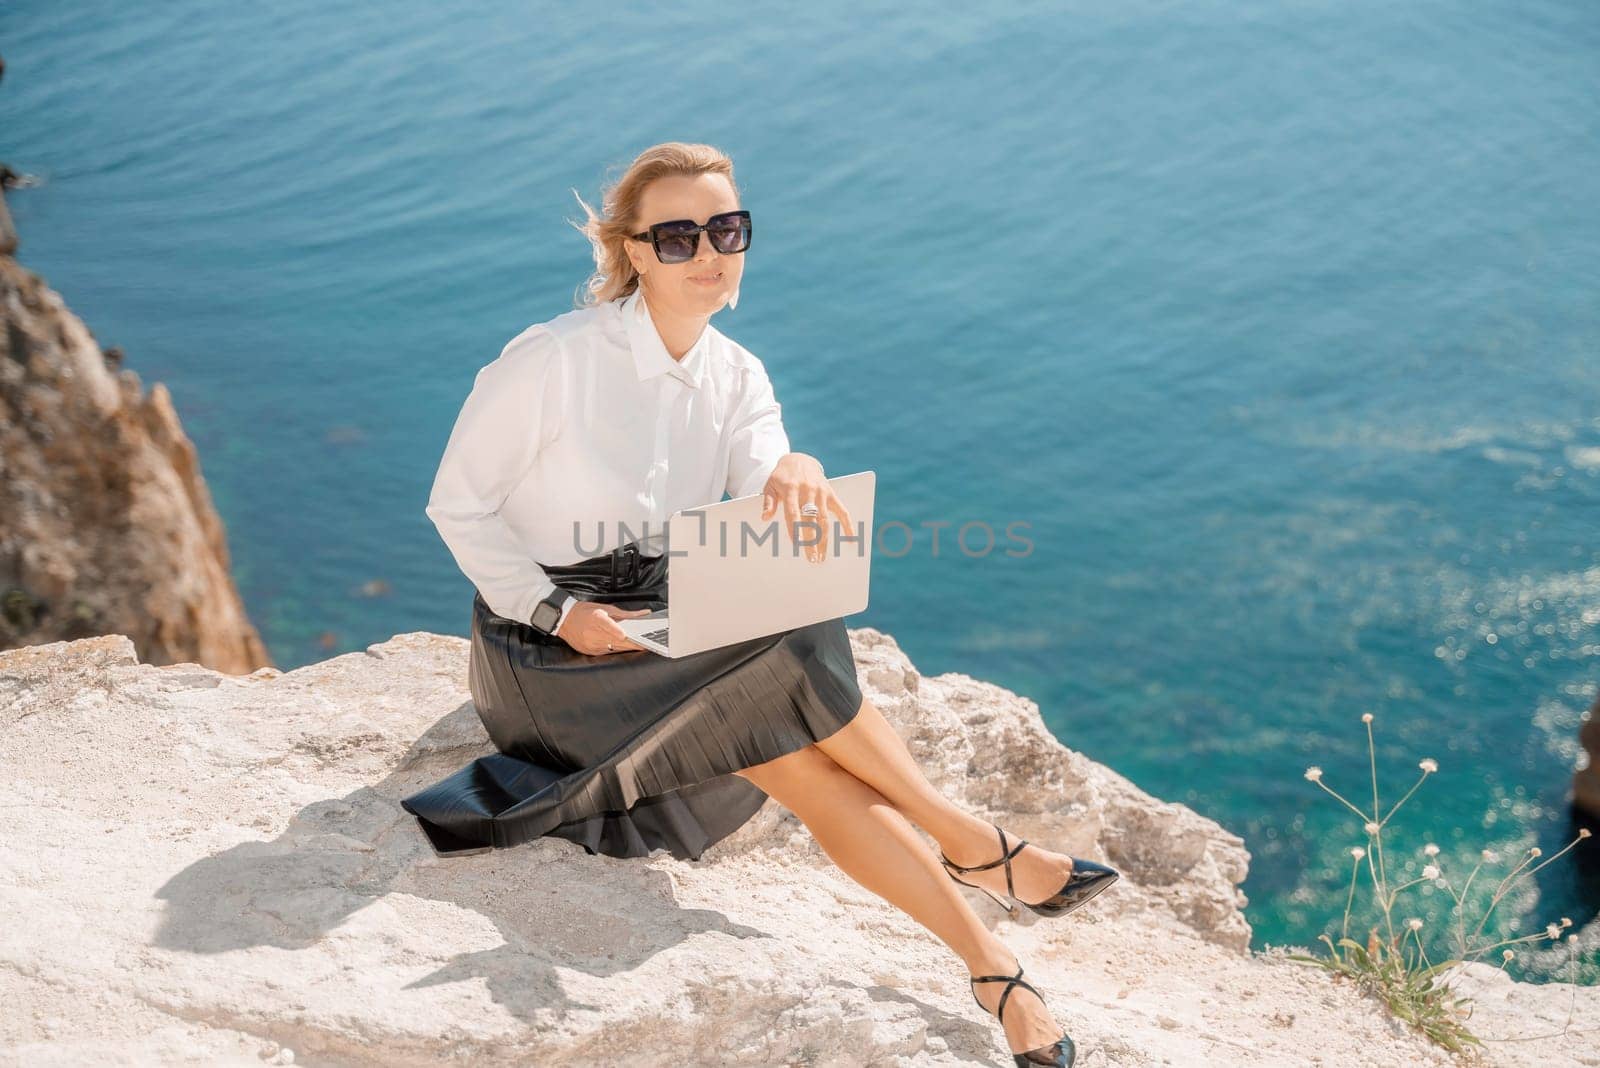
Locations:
{"points": [[566, 438]]}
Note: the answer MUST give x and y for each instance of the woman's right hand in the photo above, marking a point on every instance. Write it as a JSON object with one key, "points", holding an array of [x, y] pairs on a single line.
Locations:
{"points": [[591, 625]]}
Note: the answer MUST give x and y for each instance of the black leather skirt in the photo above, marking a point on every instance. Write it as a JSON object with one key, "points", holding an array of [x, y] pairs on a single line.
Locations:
{"points": [[626, 753]]}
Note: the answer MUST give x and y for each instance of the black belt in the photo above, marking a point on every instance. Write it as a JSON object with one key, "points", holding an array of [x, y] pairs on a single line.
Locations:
{"points": [[625, 558]]}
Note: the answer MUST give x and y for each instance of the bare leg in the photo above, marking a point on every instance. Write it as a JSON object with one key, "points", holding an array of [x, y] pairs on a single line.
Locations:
{"points": [[871, 841], [868, 748]]}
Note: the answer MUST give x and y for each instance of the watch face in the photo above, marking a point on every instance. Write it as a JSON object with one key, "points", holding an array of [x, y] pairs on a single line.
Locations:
{"points": [[545, 616]]}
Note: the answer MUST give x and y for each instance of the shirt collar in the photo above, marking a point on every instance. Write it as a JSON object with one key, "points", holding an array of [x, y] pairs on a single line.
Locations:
{"points": [[650, 356]]}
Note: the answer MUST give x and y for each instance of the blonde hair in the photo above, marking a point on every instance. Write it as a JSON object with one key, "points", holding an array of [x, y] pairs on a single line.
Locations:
{"points": [[614, 276]]}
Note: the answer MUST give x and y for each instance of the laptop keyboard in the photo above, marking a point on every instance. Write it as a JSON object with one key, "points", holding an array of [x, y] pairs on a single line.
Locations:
{"points": [[660, 634]]}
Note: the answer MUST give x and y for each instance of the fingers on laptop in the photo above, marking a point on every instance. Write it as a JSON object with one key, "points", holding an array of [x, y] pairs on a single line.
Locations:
{"points": [[819, 522], [817, 531], [620, 642], [803, 529]]}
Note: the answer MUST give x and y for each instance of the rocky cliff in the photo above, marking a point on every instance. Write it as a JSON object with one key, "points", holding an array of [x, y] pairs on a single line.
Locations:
{"points": [[203, 868], [106, 526]]}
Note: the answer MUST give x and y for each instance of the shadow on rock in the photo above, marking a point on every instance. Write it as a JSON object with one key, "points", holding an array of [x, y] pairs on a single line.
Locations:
{"points": [[551, 902]]}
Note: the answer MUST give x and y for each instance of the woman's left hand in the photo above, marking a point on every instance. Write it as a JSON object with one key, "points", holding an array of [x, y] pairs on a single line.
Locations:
{"points": [[798, 481]]}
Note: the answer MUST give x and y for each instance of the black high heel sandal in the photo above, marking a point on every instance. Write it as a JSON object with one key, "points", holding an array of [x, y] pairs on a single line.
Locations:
{"points": [[1087, 880], [1058, 1054]]}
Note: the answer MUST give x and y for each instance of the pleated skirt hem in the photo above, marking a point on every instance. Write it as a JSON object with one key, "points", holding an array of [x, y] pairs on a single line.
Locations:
{"points": [[668, 784]]}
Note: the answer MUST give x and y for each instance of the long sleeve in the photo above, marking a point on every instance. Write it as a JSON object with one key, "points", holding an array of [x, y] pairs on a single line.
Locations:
{"points": [[758, 440], [514, 409]]}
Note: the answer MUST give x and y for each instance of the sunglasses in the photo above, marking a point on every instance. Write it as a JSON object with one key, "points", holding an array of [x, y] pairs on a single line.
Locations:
{"points": [[677, 241]]}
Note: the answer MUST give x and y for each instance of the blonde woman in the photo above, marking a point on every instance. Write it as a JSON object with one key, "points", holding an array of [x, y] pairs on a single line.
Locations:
{"points": [[558, 459]]}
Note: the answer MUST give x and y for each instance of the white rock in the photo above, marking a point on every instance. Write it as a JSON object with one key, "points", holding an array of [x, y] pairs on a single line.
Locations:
{"points": [[335, 936]]}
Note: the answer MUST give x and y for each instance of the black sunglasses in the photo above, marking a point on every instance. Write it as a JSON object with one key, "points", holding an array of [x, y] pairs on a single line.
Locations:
{"points": [[677, 241]]}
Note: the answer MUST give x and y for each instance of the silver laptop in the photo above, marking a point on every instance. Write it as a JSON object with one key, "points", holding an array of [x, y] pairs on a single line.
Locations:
{"points": [[733, 576]]}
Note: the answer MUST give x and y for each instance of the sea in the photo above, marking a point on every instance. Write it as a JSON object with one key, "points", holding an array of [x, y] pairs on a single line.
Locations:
{"points": [[1230, 370]]}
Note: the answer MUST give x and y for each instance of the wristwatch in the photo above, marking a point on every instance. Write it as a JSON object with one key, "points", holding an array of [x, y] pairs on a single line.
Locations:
{"points": [[548, 613]]}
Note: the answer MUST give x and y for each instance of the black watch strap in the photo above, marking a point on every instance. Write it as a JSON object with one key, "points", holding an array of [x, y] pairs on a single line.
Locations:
{"points": [[547, 613]]}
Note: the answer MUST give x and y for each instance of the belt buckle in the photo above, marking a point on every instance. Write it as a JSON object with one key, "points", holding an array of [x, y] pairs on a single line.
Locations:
{"points": [[629, 555]]}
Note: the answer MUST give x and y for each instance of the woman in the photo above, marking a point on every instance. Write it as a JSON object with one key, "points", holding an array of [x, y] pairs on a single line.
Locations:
{"points": [[563, 443]]}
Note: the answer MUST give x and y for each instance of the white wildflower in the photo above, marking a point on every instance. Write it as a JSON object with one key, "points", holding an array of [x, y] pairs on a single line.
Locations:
{"points": [[1428, 764], [1314, 773]]}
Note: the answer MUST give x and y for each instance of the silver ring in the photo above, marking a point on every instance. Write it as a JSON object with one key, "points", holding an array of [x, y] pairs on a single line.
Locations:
{"points": [[809, 509]]}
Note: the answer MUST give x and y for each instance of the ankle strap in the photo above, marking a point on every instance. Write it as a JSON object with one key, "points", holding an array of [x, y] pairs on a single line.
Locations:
{"points": [[1004, 859], [1009, 853], [1010, 981]]}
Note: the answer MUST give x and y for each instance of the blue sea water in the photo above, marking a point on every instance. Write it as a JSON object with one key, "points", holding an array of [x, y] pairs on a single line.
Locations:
{"points": [[1274, 326]]}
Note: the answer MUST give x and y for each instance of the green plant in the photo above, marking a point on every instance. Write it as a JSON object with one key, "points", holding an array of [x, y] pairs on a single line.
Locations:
{"points": [[1396, 967]]}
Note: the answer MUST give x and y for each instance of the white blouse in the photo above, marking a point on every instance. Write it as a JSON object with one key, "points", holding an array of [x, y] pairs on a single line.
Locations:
{"points": [[562, 449]]}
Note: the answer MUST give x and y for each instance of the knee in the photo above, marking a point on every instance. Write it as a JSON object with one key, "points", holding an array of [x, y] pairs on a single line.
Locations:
{"points": [[801, 765], [808, 780], [794, 776]]}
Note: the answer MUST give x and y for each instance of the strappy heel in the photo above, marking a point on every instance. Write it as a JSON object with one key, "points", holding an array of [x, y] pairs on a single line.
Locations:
{"points": [[1058, 1054], [1087, 880]]}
